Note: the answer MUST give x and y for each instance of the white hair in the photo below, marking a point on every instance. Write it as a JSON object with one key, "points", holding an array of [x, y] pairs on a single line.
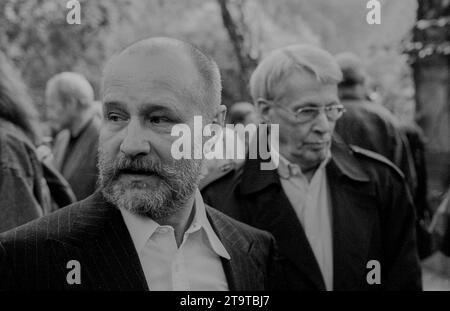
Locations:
{"points": [[281, 63]]}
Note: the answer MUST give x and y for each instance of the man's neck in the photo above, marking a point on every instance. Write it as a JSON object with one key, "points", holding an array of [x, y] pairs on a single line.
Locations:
{"points": [[181, 220], [307, 170]]}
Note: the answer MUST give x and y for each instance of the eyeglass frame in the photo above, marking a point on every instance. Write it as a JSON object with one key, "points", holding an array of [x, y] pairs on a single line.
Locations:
{"points": [[318, 109]]}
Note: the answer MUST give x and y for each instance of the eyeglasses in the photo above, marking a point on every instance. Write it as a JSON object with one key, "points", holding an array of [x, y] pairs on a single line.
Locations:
{"points": [[305, 114]]}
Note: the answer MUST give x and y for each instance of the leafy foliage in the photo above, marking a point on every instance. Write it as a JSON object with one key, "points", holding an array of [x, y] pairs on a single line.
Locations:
{"points": [[35, 35]]}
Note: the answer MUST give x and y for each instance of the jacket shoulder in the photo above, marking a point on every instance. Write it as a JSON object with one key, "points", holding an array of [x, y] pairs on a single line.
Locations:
{"points": [[53, 226], [376, 159], [16, 150]]}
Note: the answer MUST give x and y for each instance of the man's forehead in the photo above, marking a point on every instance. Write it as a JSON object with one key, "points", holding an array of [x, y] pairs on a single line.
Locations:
{"points": [[141, 63], [307, 92], [155, 73], [160, 93], [305, 83]]}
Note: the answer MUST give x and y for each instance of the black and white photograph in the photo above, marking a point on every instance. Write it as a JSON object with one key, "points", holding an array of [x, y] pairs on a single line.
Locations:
{"points": [[259, 147]]}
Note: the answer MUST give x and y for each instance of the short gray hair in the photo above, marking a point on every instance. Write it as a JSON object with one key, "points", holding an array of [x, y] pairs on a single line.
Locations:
{"points": [[72, 85], [281, 63]]}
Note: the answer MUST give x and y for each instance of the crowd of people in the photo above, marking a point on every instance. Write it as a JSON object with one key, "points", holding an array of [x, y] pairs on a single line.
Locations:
{"points": [[349, 187]]}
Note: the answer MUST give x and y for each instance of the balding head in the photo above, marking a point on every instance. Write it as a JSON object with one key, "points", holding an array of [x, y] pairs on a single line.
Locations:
{"points": [[168, 57], [71, 86], [69, 98]]}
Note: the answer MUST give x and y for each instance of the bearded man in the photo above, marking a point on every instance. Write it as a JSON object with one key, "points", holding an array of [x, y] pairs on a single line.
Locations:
{"points": [[146, 228]]}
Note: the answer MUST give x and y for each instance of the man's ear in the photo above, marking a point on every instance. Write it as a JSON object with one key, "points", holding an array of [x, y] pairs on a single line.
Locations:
{"points": [[263, 108], [220, 115]]}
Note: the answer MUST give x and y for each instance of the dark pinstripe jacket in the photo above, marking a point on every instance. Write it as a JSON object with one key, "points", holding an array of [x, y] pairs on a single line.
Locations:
{"points": [[35, 256]]}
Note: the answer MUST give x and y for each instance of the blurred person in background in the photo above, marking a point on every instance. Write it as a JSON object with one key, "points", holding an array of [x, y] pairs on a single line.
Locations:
{"points": [[440, 225], [24, 194], [246, 114], [74, 113], [416, 141], [370, 125], [240, 113], [229, 162], [243, 113]]}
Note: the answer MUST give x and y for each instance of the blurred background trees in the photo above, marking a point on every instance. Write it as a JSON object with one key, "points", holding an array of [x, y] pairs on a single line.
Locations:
{"points": [[429, 52], [36, 36], [237, 33]]}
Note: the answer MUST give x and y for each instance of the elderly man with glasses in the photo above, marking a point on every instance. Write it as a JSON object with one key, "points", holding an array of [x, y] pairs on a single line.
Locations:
{"points": [[342, 215]]}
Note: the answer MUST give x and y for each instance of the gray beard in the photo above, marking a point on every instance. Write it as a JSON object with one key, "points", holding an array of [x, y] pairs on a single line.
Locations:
{"points": [[177, 184]]}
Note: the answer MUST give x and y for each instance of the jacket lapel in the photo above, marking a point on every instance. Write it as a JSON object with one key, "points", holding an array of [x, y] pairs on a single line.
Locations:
{"points": [[103, 244], [354, 212], [241, 270], [271, 210]]}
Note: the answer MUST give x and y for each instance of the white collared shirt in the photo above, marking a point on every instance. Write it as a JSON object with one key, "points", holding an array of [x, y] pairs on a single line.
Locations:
{"points": [[195, 265], [312, 205]]}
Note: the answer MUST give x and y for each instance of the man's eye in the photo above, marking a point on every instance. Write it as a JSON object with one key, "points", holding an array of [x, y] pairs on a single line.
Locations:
{"points": [[159, 120], [114, 117], [308, 111]]}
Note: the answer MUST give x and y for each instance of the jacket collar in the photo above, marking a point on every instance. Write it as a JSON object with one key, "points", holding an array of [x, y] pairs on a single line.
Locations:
{"points": [[342, 162], [345, 163]]}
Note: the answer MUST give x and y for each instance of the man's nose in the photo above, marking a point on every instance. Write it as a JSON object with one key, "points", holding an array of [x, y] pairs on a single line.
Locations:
{"points": [[135, 142], [322, 124]]}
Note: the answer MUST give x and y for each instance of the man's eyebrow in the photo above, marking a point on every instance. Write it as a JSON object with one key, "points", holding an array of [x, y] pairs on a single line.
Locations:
{"points": [[155, 107], [114, 105], [305, 104], [148, 109], [312, 104], [333, 103]]}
